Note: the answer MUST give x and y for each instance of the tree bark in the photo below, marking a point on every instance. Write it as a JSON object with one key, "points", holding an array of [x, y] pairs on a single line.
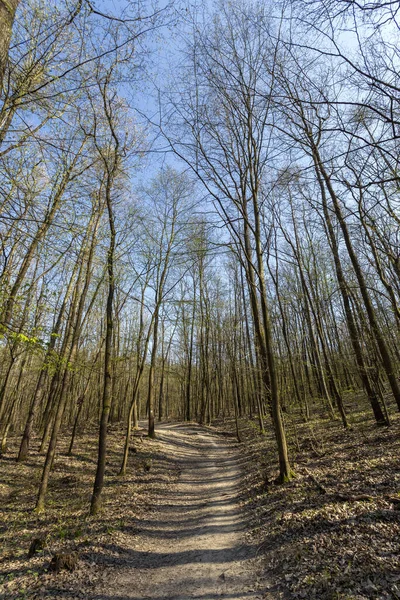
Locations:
{"points": [[7, 14]]}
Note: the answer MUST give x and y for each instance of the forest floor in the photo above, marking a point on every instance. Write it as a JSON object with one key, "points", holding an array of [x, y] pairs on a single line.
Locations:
{"points": [[174, 528], [198, 516], [333, 532]]}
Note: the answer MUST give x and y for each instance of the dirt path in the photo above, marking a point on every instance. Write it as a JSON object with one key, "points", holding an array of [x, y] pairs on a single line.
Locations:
{"points": [[194, 546]]}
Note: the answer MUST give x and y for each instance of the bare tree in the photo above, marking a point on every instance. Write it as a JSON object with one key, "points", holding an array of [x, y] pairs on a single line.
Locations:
{"points": [[224, 138]]}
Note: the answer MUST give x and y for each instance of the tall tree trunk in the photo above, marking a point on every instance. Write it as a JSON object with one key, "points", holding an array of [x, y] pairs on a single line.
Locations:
{"points": [[95, 503], [380, 340], [371, 393], [7, 14], [24, 446], [70, 346]]}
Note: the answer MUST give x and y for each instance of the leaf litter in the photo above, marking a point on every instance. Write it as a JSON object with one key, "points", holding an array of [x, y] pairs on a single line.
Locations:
{"points": [[332, 533]]}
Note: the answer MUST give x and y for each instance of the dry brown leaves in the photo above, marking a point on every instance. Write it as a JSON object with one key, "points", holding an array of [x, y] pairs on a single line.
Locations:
{"points": [[65, 526], [333, 533], [330, 534]]}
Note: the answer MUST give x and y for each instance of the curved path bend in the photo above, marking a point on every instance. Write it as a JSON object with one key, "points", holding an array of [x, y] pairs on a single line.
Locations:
{"points": [[194, 547]]}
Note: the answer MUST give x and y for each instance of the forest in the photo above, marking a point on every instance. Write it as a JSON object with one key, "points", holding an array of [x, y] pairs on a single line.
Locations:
{"points": [[199, 290]]}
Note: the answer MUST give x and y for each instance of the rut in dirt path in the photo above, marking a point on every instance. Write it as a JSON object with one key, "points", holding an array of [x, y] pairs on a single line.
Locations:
{"points": [[195, 546]]}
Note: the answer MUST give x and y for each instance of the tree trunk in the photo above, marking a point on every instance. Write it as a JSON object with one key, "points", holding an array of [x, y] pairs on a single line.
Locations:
{"points": [[7, 14], [95, 504]]}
